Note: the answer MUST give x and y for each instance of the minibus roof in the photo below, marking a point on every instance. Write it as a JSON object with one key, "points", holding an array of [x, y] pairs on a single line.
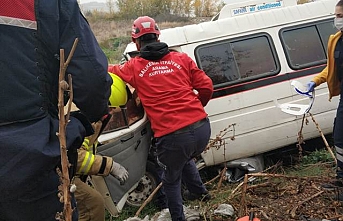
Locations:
{"points": [[252, 6], [179, 36]]}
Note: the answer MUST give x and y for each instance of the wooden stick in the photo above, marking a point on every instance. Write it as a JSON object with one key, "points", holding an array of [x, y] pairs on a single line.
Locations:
{"points": [[324, 139], [284, 176], [336, 217], [304, 201], [266, 184], [222, 175], [63, 86], [233, 192], [243, 208], [241, 183], [265, 215], [67, 210], [213, 179], [70, 82], [71, 53], [148, 199], [204, 214]]}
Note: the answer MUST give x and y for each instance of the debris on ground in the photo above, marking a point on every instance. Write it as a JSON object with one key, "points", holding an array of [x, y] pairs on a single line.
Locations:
{"points": [[146, 218], [164, 215], [224, 209], [272, 195], [282, 197]]}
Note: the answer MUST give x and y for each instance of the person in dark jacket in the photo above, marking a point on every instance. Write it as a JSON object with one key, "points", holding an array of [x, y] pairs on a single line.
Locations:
{"points": [[332, 75], [32, 32], [173, 92]]}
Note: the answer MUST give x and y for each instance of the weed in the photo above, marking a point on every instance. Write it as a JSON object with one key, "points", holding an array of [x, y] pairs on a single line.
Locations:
{"points": [[316, 156], [113, 48], [129, 211]]}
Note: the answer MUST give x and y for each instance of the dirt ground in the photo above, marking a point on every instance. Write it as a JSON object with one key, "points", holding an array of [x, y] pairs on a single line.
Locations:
{"points": [[282, 197]]}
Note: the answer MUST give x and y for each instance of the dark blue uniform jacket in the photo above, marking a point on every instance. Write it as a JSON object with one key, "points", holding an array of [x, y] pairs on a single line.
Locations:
{"points": [[32, 32]]}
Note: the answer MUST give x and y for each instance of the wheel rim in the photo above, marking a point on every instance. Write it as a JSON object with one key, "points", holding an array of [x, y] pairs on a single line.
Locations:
{"points": [[145, 187]]}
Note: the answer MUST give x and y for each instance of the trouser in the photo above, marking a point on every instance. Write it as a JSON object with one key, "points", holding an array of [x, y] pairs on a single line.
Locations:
{"points": [[160, 197], [175, 152], [196, 187], [89, 202], [338, 136]]}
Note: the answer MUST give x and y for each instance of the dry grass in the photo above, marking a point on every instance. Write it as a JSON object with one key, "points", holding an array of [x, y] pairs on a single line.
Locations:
{"points": [[107, 29], [114, 35]]}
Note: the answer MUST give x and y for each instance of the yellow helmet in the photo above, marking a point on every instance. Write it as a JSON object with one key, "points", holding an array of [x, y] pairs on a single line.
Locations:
{"points": [[118, 95]]}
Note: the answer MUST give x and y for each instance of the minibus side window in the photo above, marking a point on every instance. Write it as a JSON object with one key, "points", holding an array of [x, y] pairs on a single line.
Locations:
{"points": [[218, 63], [238, 60], [303, 46], [306, 45], [253, 56]]}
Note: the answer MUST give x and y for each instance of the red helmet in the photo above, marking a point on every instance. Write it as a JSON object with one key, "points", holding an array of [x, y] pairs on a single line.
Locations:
{"points": [[144, 25]]}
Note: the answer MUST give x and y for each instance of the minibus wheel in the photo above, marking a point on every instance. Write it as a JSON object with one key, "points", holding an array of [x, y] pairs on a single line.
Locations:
{"points": [[146, 185]]}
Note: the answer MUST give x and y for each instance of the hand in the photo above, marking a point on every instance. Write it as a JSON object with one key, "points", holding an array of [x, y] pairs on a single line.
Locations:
{"points": [[310, 86], [119, 172]]}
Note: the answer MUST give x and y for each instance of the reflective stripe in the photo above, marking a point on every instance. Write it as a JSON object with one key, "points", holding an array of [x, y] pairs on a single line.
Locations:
{"points": [[339, 157], [87, 163], [85, 144], [18, 22], [339, 150]]}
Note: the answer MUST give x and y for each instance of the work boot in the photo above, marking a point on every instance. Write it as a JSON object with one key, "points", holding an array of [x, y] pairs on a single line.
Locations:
{"points": [[339, 196], [335, 184], [188, 196], [164, 215], [191, 214]]}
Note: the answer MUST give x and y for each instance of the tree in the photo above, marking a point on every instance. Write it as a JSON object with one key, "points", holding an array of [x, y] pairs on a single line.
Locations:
{"points": [[197, 8], [187, 8], [206, 8], [210, 7], [129, 9], [176, 7], [110, 5], [158, 7]]}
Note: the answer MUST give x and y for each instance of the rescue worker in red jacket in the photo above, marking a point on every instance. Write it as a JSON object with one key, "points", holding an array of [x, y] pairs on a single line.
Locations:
{"points": [[90, 203], [173, 92], [32, 32]]}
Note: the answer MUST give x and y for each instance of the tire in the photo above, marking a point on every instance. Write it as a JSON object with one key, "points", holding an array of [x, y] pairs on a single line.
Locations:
{"points": [[146, 186]]}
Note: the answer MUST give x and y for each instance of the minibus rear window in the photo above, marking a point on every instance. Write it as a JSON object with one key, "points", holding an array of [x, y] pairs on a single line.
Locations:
{"points": [[238, 60]]}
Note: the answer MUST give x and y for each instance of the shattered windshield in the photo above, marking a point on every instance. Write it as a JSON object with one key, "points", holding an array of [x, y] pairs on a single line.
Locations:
{"points": [[123, 117]]}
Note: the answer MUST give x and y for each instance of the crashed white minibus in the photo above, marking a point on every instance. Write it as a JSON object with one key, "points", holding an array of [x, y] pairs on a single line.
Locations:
{"points": [[252, 51], [252, 60]]}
